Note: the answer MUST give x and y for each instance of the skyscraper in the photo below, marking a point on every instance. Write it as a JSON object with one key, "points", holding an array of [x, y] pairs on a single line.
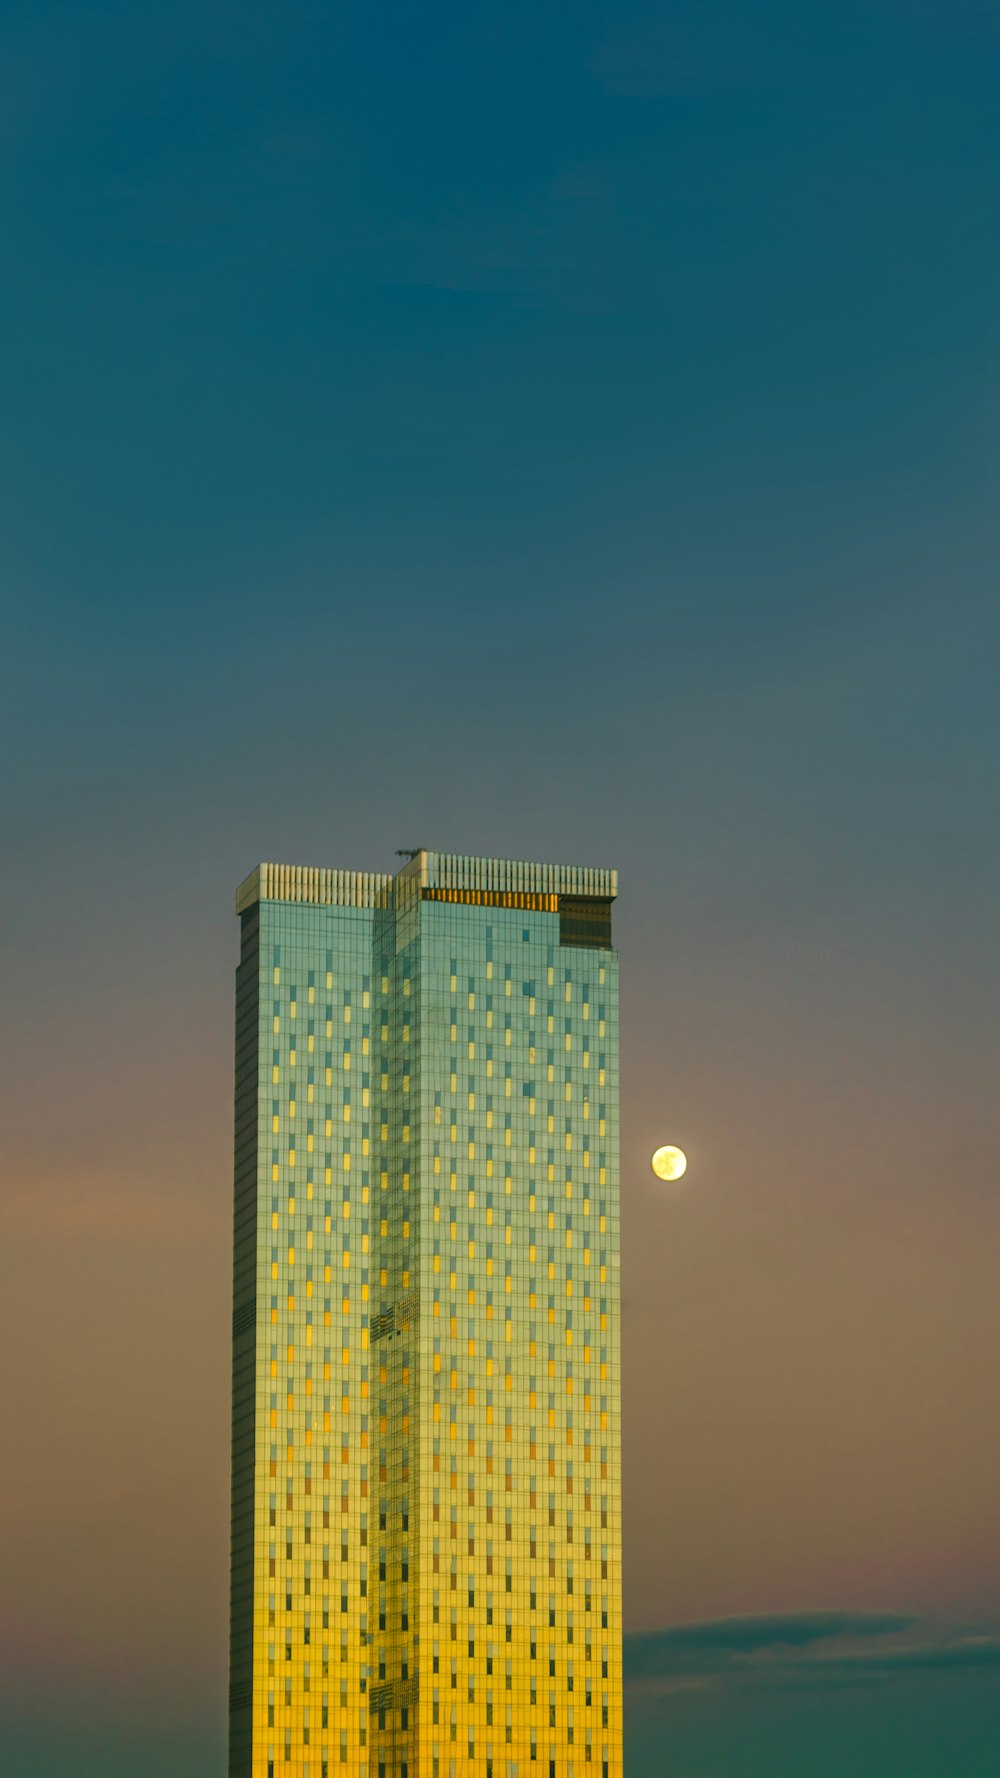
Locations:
{"points": [[426, 1520]]}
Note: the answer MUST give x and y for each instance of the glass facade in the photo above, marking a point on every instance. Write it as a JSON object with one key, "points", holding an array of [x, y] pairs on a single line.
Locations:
{"points": [[426, 1570]]}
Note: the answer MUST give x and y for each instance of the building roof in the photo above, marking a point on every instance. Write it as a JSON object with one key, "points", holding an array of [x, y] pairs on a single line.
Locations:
{"points": [[425, 870]]}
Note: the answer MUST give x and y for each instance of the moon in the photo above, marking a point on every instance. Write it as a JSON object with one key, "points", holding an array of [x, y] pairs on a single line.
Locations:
{"points": [[669, 1163]]}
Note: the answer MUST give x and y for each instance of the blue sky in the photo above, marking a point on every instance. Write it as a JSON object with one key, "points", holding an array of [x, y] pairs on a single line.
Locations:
{"points": [[563, 431]]}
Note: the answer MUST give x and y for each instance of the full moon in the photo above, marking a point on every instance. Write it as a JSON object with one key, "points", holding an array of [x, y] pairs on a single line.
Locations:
{"points": [[669, 1163]]}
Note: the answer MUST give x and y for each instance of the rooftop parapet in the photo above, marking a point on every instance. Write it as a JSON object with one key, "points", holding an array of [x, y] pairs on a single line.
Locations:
{"points": [[310, 883], [426, 871], [513, 876]]}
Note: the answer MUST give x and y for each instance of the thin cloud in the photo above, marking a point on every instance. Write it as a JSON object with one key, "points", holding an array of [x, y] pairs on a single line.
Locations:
{"points": [[797, 1651], [869, 1666], [657, 1652]]}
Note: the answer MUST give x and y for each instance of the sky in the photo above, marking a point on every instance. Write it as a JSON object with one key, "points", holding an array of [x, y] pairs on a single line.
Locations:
{"points": [[564, 432]]}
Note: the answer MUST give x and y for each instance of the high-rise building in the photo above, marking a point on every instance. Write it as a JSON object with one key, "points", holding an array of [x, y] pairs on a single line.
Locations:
{"points": [[426, 1519]]}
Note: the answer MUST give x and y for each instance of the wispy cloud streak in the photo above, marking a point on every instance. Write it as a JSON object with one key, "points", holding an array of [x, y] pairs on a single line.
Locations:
{"points": [[798, 1650]]}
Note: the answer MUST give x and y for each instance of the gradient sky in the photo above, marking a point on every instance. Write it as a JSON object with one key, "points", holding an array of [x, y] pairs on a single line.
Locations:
{"points": [[563, 431]]}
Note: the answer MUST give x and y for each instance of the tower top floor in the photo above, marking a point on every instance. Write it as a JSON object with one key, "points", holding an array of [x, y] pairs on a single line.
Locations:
{"points": [[430, 875]]}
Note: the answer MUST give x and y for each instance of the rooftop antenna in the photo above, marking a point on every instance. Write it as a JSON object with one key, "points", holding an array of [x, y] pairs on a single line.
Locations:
{"points": [[409, 851]]}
